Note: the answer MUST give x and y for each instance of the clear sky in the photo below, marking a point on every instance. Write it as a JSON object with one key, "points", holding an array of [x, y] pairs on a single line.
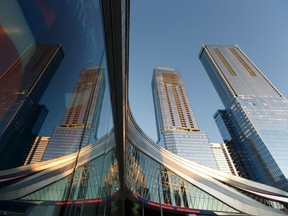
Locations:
{"points": [[170, 33]]}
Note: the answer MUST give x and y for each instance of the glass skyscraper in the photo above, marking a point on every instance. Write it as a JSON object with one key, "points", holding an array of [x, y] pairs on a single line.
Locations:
{"points": [[37, 150], [22, 86], [177, 127], [238, 153], [255, 115], [121, 171], [223, 158], [81, 117]]}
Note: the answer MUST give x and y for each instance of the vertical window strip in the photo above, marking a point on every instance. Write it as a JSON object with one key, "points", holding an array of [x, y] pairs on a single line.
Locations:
{"points": [[220, 76], [228, 67], [179, 108], [186, 107], [71, 107], [94, 85], [242, 62], [169, 104], [262, 75]]}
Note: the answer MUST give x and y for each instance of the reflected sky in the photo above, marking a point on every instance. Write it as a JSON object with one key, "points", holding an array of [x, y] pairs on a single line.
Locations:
{"points": [[14, 27], [73, 24]]}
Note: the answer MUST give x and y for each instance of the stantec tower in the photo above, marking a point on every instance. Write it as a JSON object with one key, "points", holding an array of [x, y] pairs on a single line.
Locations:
{"points": [[255, 120]]}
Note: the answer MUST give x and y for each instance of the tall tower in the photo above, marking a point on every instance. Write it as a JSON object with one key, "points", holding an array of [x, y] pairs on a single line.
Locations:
{"points": [[37, 150], [223, 158], [21, 88], [81, 117], [256, 114], [177, 127]]}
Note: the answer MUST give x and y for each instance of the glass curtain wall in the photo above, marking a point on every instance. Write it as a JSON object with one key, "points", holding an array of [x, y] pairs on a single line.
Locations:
{"points": [[76, 29]]}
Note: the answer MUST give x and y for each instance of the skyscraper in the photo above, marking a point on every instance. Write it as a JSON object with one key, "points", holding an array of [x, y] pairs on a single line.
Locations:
{"points": [[37, 151], [223, 158], [238, 153], [81, 117], [123, 172], [255, 116], [177, 127], [21, 88]]}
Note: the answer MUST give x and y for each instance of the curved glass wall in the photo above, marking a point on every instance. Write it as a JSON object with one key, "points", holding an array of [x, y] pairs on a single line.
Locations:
{"points": [[55, 101], [91, 188], [153, 183], [156, 179], [63, 84]]}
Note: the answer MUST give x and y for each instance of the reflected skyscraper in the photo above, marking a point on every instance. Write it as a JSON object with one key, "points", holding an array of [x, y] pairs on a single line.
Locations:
{"points": [[121, 171], [81, 117], [37, 150], [21, 87], [255, 120], [177, 127]]}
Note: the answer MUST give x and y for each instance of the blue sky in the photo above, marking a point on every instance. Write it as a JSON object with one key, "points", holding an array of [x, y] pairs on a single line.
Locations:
{"points": [[170, 33]]}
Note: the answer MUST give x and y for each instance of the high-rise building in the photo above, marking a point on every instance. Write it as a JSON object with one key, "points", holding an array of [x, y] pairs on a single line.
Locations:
{"points": [[223, 158], [239, 155], [122, 171], [37, 150], [177, 127], [81, 117], [21, 88], [256, 112]]}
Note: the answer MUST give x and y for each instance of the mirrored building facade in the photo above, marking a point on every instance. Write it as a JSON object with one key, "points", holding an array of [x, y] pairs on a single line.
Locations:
{"points": [[81, 119], [21, 115], [121, 171], [37, 150], [256, 112]]}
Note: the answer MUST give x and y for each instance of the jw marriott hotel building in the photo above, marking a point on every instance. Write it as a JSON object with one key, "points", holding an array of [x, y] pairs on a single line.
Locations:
{"points": [[177, 127]]}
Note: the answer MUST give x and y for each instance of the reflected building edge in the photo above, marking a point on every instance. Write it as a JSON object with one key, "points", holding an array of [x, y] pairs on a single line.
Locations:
{"points": [[21, 115], [81, 119], [122, 171]]}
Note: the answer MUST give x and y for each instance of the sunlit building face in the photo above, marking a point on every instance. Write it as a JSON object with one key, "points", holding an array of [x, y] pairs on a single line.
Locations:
{"points": [[177, 127]]}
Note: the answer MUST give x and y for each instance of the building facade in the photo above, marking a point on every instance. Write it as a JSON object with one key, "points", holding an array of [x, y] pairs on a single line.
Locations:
{"points": [[22, 86], [238, 153], [37, 150], [177, 127], [81, 117], [122, 171], [256, 112], [223, 158]]}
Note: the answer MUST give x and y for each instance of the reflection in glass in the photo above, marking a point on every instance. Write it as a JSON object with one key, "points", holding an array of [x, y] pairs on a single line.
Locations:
{"points": [[81, 117], [79, 167], [21, 115], [146, 178]]}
